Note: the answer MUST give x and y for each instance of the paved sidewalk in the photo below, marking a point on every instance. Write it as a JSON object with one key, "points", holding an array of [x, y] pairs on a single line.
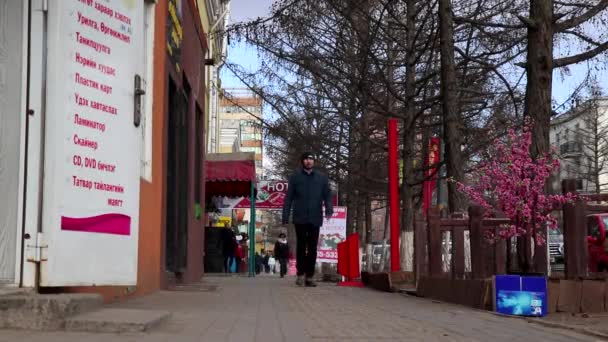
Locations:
{"points": [[272, 309]]}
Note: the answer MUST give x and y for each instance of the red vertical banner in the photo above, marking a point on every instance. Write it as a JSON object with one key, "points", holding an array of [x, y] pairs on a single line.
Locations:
{"points": [[393, 185], [431, 163]]}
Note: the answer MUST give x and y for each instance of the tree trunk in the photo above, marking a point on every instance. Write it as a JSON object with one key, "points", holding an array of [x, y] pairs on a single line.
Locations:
{"points": [[540, 73], [361, 229], [409, 133], [384, 238], [451, 119], [538, 103], [351, 202], [369, 231]]}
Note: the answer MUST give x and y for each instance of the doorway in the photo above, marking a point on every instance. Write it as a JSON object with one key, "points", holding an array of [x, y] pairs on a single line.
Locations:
{"points": [[177, 181]]}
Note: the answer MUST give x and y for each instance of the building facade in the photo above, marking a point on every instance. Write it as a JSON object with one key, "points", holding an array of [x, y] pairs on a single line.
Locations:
{"points": [[580, 137], [240, 125], [109, 167], [215, 16]]}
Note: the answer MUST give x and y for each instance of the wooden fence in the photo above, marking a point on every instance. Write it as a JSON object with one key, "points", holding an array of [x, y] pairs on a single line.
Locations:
{"points": [[439, 239], [441, 256]]}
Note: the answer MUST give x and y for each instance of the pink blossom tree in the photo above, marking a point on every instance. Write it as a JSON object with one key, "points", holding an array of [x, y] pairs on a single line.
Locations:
{"points": [[509, 180]]}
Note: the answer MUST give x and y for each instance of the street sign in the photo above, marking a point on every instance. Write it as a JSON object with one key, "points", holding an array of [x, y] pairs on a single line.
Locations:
{"points": [[270, 195], [331, 234]]}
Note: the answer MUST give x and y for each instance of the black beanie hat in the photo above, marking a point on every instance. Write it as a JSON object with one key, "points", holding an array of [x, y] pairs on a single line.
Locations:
{"points": [[307, 155]]}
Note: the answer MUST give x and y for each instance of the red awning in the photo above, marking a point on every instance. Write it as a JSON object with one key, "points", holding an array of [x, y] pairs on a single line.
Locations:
{"points": [[229, 174]]}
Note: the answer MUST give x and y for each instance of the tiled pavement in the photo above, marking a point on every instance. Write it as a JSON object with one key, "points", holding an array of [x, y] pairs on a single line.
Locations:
{"points": [[271, 309]]}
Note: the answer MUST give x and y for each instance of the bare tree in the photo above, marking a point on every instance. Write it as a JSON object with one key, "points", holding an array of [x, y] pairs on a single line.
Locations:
{"points": [[584, 152], [333, 71]]}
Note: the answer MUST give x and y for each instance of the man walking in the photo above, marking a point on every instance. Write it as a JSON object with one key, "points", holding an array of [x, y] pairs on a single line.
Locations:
{"points": [[308, 190]]}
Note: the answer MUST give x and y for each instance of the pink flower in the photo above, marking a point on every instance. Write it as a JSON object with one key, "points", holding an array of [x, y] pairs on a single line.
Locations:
{"points": [[512, 181]]}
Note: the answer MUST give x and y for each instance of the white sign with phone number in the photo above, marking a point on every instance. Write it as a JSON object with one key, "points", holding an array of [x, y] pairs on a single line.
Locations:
{"points": [[332, 233]]}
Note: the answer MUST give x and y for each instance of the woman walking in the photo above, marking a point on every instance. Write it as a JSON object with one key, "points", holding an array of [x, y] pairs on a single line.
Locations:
{"points": [[281, 251]]}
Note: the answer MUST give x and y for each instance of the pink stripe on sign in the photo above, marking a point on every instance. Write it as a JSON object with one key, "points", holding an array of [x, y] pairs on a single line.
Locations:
{"points": [[117, 224]]}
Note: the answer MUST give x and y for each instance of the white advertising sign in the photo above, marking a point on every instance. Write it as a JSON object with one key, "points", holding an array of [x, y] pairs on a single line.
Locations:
{"points": [[92, 147], [332, 233]]}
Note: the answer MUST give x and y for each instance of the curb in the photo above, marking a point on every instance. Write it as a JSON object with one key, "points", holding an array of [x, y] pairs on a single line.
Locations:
{"points": [[562, 326], [580, 330], [586, 331]]}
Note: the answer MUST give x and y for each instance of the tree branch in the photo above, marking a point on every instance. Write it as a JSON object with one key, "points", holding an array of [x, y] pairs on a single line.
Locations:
{"points": [[575, 21], [527, 21], [583, 37], [562, 62], [461, 20]]}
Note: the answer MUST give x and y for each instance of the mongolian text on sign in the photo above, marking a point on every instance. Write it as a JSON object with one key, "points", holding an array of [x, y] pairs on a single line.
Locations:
{"points": [[332, 233], [92, 161]]}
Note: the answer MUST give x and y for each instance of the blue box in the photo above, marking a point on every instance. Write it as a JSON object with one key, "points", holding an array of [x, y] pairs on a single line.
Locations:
{"points": [[521, 295]]}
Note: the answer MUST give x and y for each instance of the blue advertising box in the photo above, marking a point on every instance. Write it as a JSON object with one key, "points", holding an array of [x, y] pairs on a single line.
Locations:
{"points": [[521, 295]]}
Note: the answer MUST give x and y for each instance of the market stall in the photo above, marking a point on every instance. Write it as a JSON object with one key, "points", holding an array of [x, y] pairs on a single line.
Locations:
{"points": [[233, 175]]}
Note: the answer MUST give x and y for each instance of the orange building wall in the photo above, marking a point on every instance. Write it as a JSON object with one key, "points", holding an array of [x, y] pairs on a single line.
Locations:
{"points": [[193, 53], [152, 195]]}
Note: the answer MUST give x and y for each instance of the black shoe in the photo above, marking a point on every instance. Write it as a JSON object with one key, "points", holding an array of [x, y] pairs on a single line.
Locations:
{"points": [[310, 283], [300, 281]]}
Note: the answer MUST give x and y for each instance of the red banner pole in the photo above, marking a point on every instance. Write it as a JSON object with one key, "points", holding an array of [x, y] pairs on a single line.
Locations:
{"points": [[393, 185]]}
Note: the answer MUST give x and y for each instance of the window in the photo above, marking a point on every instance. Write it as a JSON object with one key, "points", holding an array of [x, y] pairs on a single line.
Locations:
{"points": [[593, 228], [579, 184], [148, 80], [256, 150], [198, 155], [251, 136], [570, 147], [232, 124]]}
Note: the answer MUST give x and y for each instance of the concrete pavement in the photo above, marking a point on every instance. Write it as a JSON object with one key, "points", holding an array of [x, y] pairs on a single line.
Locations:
{"points": [[272, 309]]}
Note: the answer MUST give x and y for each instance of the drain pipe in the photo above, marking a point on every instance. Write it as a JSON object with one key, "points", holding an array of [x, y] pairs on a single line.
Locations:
{"points": [[39, 6]]}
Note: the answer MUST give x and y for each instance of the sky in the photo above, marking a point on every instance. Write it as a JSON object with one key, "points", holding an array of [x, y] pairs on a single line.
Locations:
{"points": [[242, 54], [246, 56]]}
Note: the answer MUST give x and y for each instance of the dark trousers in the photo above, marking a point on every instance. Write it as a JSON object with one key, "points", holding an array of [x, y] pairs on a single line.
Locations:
{"points": [[306, 249], [228, 260], [283, 262]]}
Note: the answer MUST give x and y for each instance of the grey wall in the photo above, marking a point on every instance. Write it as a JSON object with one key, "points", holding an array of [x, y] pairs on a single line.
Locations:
{"points": [[11, 40]]}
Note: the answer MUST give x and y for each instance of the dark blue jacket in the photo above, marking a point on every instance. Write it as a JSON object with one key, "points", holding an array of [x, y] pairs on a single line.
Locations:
{"points": [[306, 193]]}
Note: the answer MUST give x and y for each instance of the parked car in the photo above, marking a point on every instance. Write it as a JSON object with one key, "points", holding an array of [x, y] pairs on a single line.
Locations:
{"points": [[556, 247], [596, 242]]}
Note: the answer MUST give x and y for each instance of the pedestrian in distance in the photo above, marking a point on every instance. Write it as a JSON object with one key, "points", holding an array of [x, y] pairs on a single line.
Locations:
{"points": [[281, 251], [271, 263], [238, 254], [308, 190], [266, 257], [259, 263], [228, 244]]}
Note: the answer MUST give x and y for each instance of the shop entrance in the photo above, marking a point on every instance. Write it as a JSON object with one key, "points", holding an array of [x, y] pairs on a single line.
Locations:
{"points": [[177, 181]]}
